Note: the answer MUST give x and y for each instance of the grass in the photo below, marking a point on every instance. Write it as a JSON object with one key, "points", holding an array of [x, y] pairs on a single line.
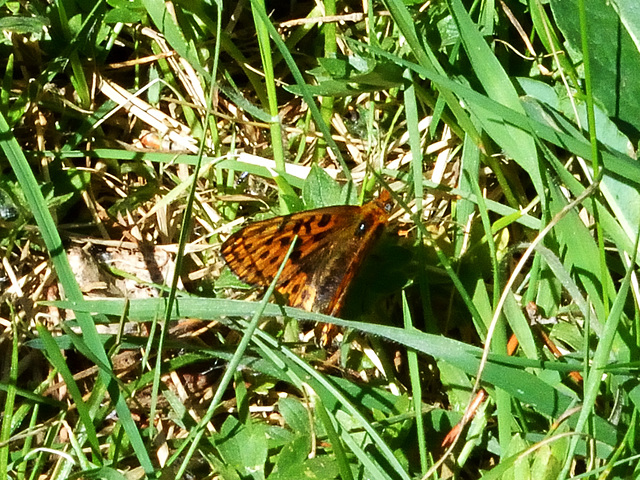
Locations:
{"points": [[137, 135]]}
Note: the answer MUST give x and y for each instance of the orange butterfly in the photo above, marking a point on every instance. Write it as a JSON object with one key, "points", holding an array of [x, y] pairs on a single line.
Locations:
{"points": [[332, 244]]}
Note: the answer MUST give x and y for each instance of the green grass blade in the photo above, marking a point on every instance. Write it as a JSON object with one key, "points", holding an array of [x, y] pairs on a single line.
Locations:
{"points": [[53, 243]]}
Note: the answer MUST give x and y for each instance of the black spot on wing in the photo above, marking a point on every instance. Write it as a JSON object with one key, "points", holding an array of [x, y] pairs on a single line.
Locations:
{"points": [[319, 236], [324, 220], [308, 225], [297, 226], [285, 242], [295, 256]]}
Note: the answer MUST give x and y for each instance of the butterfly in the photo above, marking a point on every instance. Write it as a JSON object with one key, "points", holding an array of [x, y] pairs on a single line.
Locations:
{"points": [[331, 245]]}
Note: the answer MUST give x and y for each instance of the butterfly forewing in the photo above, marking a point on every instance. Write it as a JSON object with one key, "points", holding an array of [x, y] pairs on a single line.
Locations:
{"points": [[331, 244], [256, 252]]}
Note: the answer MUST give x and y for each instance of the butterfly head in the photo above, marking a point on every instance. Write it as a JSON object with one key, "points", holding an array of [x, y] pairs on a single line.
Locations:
{"points": [[385, 202]]}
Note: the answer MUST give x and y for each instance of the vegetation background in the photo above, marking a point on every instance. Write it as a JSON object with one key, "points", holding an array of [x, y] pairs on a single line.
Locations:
{"points": [[141, 133]]}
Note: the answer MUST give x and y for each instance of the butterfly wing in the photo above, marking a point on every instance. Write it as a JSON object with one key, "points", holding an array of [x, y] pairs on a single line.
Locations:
{"points": [[255, 252], [332, 243]]}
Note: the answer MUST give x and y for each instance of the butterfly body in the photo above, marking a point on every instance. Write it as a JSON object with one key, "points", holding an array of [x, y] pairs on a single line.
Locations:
{"points": [[331, 244]]}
